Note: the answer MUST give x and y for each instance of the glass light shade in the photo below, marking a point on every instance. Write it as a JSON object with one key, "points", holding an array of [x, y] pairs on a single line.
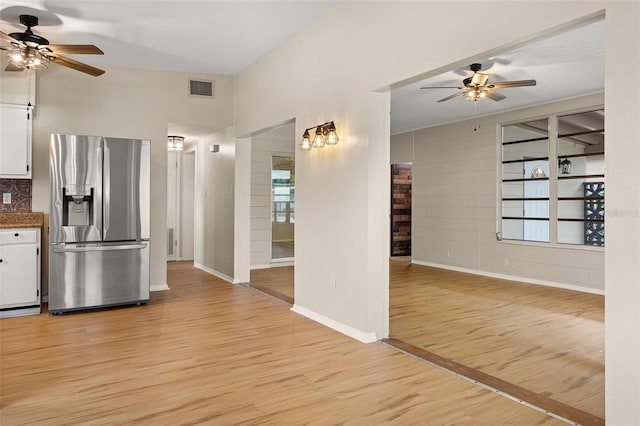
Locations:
{"points": [[318, 140], [175, 143], [27, 57], [332, 137], [565, 167], [305, 145], [538, 173]]}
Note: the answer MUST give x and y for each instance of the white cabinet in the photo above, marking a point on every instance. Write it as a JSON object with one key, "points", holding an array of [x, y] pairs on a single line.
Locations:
{"points": [[15, 141], [19, 270]]}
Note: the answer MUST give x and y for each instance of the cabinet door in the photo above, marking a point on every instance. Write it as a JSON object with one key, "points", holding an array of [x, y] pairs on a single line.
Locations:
{"points": [[18, 275], [15, 141]]}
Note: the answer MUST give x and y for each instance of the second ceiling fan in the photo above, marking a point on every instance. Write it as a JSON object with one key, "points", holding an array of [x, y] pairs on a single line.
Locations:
{"points": [[477, 86]]}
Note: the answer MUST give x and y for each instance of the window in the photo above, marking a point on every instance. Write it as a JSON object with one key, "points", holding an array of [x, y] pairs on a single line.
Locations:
{"points": [[282, 190], [561, 204]]}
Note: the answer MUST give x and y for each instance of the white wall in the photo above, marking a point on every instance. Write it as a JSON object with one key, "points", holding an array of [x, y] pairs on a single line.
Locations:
{"points": [[16, 87], [124, 103], [371, 45], [280, 140], [214, 205], [454, 213], [187, 204]]}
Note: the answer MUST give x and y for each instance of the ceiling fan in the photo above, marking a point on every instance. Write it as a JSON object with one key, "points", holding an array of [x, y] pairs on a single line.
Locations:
{"points": [[31, 51], [477, 87]]}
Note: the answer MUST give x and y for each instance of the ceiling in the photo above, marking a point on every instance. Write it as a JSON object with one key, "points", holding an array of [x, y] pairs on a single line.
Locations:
{"points": [[565, 65], [219, 37], [225, 36]]}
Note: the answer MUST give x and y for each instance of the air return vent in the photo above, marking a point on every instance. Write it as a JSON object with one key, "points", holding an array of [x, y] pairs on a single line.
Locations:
{"points": [[201, 88]]}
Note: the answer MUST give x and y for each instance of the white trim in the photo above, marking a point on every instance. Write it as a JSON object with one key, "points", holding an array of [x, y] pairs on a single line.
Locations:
{"points": [[159, 287], [276, 263], [261, 266], [19, 312], [512, 278], [342, 328], [214, 272]]}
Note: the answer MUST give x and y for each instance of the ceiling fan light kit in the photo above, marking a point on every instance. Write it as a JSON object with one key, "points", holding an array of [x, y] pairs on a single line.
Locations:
{"points": [[29, 51], [478, 87]]}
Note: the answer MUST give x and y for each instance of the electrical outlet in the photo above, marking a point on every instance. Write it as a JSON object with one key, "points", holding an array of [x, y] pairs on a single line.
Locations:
{"points": [[448, 254], [332, 280], [505, 260], [6, 198]]}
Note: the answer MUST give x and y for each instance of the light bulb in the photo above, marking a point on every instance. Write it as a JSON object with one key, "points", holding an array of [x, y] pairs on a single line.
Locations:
{"points": [[305, 145], [332, 137], [318, 140]]}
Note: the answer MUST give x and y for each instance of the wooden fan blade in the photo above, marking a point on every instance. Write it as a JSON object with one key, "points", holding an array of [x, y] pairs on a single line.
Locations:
{"points": [[451, 96], [78, 66], [516, 83], [442, 87], [11, 67], [73, 49], [491, 94], [8, 38]]}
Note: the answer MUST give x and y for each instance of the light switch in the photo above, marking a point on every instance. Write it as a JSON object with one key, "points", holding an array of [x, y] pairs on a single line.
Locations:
{"points": [[6, 198]]}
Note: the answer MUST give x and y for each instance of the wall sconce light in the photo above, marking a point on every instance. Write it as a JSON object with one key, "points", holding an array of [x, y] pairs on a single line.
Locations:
{"points": [[538, 173], [564, 166], [325, 135], [175, 143]]}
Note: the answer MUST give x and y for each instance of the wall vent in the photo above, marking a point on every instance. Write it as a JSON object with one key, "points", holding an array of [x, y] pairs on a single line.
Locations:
{"points": [[201, 88]]}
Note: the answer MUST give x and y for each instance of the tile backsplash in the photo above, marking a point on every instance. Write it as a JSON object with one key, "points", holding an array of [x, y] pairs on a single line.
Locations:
{"points": [[20, 190]]}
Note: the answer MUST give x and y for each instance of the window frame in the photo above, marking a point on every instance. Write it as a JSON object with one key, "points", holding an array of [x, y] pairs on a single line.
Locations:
{"points": [[552, 128]]}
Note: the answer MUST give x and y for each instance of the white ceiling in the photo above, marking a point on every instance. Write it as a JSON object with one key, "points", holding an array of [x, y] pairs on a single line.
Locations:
{"points": [[565, 65], [225, 36], [215, 36]]}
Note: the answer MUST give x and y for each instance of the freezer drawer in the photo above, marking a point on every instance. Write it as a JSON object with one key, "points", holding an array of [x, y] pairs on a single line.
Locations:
{"points": [[83, 276]]}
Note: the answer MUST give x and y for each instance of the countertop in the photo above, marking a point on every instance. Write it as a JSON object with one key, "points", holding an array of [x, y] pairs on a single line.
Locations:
{"points": [[21, 220]]}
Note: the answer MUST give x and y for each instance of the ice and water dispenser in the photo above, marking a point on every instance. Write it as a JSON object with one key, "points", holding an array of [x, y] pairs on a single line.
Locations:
{"points": [[77, 205]]}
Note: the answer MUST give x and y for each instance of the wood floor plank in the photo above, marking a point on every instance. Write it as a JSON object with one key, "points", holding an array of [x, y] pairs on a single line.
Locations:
{"points": [[276, 282], [547, 340], [209, 352]]}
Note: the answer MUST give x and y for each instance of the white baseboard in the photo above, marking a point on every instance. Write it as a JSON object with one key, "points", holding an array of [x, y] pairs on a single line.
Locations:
{"points": [[262, 266], [512, 278], [342, 328], [159, 287], [274, 264], [215, 273]]}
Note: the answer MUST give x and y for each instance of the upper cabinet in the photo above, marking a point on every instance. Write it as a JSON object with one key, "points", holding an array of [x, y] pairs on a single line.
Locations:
{"points": [[15, 141]]}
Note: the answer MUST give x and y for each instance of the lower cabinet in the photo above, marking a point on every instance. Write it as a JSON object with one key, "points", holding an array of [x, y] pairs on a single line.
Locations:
{"points": [[19, 271]]}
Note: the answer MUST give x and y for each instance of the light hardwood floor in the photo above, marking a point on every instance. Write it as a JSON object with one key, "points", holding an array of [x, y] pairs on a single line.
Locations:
{"points": [[208, 352], [277, 282], [547, 340]]}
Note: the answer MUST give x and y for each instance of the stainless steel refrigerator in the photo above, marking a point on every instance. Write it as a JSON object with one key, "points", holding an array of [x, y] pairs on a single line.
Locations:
{"points": [[98, 222]]}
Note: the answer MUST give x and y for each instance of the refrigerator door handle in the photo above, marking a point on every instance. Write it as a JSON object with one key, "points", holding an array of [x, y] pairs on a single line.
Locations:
{"points": [[106, 192], [63, 249]]}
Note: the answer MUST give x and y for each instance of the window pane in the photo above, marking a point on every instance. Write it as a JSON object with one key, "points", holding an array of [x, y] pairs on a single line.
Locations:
{"points": [[581, 199], [527, 130], [528, 230], [525, 209], [581, 133], [519, 151], [525, 152]]}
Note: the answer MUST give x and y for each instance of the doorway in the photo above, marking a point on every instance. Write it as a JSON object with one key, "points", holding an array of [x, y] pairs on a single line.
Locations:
{"points": [[283, 190], [401, 179], [180, 205]]}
